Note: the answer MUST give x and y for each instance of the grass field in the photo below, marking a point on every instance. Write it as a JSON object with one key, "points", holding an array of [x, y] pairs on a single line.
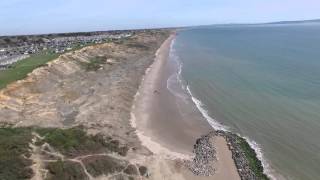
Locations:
{"points": [[20, 69]]}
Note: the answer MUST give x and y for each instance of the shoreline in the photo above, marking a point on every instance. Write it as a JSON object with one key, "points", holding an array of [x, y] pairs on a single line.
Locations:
{"points": [[164, 129], [239, 155], [147, 107], [222, 130], [169, 135], [146, 141]]}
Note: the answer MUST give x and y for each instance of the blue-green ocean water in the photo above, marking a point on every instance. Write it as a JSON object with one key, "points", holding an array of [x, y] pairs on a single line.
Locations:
{"points": [[263, 82]]}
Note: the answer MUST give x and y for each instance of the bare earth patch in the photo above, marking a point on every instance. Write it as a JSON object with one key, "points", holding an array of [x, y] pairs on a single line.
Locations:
{"points": [[92, 88]]}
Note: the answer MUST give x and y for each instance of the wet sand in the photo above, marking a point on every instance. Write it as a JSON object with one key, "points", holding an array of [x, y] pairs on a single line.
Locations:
{"points": [[169, 126], [157, 112]]}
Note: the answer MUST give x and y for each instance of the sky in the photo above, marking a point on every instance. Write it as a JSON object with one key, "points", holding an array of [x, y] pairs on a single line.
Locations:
{"points": [[51, 16]]}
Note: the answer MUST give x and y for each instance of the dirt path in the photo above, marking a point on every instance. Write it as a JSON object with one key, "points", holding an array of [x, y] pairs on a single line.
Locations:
{"points": [[39, 159], [38, 164]]}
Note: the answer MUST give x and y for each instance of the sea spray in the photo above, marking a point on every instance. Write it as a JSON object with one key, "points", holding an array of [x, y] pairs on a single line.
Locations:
{"points": [[266, 166], [263, 82], [215, 124], [138, 105], [218, 126], [176, 78], [174, 82]]}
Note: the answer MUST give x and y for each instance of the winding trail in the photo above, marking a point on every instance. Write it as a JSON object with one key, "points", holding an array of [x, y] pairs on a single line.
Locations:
{"points": [[38, 153]]}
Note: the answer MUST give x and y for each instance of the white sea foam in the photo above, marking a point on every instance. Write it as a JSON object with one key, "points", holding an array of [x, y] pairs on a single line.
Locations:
{"points": [[266, 166], [218, 126], [147, 141], [215, 124], [174, 82], [176, 77]]}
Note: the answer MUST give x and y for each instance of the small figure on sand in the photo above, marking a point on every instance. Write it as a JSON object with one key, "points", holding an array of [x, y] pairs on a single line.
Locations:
{"points": [[156, 92]]}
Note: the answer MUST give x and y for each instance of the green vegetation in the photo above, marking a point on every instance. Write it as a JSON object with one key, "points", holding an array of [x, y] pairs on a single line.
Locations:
{"points": [[65, 170], [138, 46], [131, 170], [143, 170], [72, 142], [14, 148], [15, 151], [75, 141], [103, 165], [94, 64], [20, 69], [254, 163]]}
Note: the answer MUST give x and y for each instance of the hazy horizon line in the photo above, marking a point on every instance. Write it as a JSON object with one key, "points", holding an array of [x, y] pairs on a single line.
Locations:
{"points": [[163, 27]]}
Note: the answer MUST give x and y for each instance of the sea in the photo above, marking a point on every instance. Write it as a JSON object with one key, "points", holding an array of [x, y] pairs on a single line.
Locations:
{"points": [[261, 82]]}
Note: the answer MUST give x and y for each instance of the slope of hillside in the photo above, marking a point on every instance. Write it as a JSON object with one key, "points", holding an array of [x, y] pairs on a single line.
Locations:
{"points": [[74, 114]]}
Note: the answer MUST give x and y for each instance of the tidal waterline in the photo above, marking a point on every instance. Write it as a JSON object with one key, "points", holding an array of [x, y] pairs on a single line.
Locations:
{"points": [[263, 82]]}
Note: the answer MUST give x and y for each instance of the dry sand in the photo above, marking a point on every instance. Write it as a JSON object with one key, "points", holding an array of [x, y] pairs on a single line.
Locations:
{"points": [[170, 128], [63, 94]]}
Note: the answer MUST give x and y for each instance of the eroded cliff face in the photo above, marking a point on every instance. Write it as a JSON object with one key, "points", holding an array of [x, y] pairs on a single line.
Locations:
{"points": [[93, 87]]}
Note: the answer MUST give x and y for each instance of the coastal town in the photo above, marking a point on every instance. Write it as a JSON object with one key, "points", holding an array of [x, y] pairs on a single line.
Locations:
{"points": [[25, 47]]}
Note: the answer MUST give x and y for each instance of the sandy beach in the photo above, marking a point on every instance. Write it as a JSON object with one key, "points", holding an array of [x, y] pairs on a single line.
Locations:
{"points": [[126, 102], [67, 94], [169, 126]]}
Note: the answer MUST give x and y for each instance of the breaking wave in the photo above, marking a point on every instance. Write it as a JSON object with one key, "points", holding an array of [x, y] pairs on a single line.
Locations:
{"points": [[177, 78]]}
